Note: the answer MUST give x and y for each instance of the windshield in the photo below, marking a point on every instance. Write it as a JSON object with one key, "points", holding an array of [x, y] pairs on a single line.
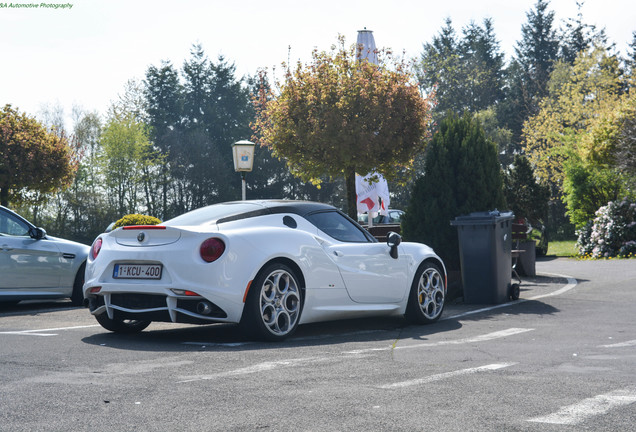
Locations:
{"points": [[211, 214]]}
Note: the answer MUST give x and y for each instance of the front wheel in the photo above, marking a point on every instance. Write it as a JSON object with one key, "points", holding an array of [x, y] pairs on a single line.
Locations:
{"points": [[120, 325], [273, 305], [427, 296]]}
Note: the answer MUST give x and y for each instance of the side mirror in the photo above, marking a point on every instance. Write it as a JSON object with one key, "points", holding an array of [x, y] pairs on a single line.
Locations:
{"points": [[393, 240], [37, 233]]}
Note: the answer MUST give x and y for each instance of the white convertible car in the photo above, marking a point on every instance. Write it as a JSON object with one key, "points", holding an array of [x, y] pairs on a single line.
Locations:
{"points": [[267, 265]]}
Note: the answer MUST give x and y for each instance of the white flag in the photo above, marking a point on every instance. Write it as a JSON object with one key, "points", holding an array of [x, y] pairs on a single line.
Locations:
{"points": [[372, 197]]}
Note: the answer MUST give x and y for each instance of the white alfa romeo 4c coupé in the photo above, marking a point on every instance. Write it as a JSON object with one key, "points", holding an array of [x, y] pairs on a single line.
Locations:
{"points": [[266, 265]]}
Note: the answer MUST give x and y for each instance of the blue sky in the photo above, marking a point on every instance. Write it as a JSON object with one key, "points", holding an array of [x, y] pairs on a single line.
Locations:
{"points": [[84, 55]]}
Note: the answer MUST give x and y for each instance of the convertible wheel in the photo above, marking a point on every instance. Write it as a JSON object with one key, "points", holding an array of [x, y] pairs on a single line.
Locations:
{"points": [[273, 306], [121, 326], [426, 299], [77, 297]]}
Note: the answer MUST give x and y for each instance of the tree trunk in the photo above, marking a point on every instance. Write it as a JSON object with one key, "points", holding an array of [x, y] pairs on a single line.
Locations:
{"points": [[350, 187], [4, 196], [164, 189]]}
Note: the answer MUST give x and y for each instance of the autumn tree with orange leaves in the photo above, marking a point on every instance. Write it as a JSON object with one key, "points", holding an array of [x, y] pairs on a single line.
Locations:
{"points": [[337, 116], [32, 159]]}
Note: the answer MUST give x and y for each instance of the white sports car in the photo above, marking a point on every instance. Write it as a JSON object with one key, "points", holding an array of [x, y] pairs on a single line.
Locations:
{"points": [[267, 265]]}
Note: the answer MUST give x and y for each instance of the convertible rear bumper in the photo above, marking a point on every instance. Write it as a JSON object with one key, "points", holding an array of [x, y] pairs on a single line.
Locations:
{"points": [[157, 307]]}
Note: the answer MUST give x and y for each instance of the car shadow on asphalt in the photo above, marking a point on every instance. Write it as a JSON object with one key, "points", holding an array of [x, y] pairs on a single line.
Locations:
{"points": [[32, 307], [229, 337], [515, 308], [167, 337], [222, 337]]}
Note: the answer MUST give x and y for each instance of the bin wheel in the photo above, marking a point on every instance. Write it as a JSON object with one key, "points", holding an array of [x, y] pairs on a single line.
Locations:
{"points": [[514, 292]]}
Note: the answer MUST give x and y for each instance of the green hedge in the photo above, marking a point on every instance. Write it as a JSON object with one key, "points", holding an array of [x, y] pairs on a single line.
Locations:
{"points": [[136, 219], [462, 175]]}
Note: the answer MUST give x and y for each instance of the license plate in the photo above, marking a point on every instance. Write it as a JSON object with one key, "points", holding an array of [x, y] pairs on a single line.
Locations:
{"points": [[137, 271]]}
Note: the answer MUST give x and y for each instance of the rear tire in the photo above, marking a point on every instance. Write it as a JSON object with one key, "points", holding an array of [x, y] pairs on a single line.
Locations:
{"points": [[273, 306], [515, 291], [121, 326], [77, 296], [427, 296]]}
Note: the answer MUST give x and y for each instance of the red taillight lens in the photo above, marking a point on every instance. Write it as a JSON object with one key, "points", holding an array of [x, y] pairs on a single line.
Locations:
{"points": [[97, 246], [212, 249]]}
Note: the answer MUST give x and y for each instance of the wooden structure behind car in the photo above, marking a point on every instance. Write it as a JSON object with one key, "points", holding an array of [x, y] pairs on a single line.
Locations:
{"points": [[380, 231]]}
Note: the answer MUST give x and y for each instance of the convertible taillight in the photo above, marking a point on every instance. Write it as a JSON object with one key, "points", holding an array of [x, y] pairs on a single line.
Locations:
{"points": [[212, 249], [97, 246]]}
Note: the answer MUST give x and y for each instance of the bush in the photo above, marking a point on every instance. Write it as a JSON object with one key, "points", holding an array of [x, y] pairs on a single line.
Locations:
{"points": [[612, 233], [588, 187], [136, 219], [462, 175]]}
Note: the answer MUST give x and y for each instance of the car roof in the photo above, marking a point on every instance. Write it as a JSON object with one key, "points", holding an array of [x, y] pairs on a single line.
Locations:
{"points": [[236, 210], [300, 208]]}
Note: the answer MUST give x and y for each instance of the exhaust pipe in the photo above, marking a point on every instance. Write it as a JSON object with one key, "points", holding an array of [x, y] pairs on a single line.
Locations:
{"points": [[204, 308]]}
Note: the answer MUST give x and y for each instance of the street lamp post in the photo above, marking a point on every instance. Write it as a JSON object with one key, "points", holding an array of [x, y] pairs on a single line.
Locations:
{"points": [[243, 155]]}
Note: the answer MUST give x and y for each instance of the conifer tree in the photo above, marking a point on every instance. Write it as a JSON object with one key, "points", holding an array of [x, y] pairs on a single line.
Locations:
{"points": [[528, 74], [462, 175]]}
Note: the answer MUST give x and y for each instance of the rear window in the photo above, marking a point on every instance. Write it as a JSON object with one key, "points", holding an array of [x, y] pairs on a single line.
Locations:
{"points": [[211, 214]]}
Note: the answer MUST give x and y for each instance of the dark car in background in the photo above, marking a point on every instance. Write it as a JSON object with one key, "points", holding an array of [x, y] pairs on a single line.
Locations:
{"points": [[392, 217], [382, 224]]}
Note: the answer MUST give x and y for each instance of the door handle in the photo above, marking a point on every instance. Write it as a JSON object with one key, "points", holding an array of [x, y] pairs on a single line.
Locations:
{"points": [[338, 253], [5, 248]]}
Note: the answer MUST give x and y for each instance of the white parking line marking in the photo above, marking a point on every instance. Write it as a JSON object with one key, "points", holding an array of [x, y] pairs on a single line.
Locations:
{"points": [[626, 344], [259, 367], [571, 284], [442, 376], [267, 366], [43, 332], [601, 404], [29, 334], [481, 338]]}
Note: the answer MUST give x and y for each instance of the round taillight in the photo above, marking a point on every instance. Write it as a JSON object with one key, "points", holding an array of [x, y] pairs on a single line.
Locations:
{"points": [[212, 249], [97, 246]]}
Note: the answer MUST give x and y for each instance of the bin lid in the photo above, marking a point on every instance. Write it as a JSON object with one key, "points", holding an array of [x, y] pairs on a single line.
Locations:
{"points": [[483, 218]]}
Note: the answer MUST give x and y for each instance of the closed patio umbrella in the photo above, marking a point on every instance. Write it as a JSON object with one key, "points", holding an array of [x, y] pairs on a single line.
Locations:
{"points": [[371, 197]]}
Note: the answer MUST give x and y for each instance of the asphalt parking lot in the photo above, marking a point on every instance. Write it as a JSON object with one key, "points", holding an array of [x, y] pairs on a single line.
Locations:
{"points": [[560, 358]]}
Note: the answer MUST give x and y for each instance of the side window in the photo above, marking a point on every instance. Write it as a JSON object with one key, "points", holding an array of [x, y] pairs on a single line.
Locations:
{"points": [[396, 217], [9, 225], [338, 226]]}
